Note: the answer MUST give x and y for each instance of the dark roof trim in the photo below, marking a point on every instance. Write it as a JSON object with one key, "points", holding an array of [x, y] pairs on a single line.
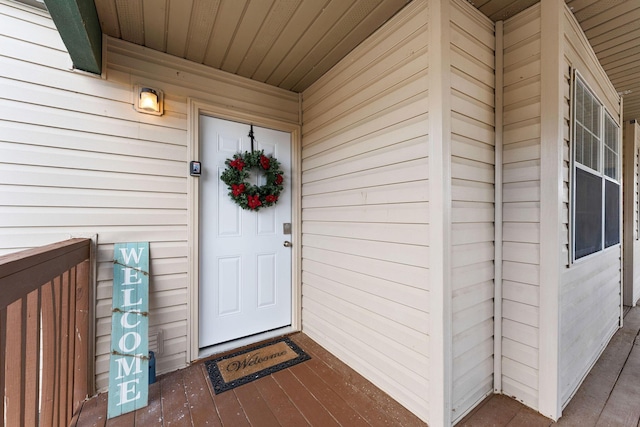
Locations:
{"points": [[78, 25]]}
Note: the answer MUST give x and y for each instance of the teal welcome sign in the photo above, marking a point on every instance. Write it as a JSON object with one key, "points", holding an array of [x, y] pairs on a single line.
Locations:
{"points": [[129, 364]]}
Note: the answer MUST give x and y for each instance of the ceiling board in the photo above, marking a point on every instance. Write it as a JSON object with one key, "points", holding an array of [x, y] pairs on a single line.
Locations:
{"points": [[203, 15], [307, 40], [302, 18], [498, 10], [129, 18], [108, 16], [611, 19], [177, 26], [154, 11], [280, 14], [592, 8], [253, 18], [224, 30]]}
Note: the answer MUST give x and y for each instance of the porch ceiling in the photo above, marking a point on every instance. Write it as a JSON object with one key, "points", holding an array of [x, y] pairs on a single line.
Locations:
{"points": [[292, 43], [613, 29], [285, 43]]}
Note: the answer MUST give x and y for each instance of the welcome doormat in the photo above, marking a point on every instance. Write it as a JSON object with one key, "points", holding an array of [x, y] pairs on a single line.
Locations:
{"points": [[244, 366]]}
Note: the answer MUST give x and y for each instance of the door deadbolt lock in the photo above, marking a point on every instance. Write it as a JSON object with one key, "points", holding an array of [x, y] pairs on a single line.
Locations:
{"points": [[287, 244]]}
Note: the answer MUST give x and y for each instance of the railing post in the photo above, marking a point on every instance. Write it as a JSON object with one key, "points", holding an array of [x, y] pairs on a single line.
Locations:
{"points": [[32, 360], [3, 350], [81, 378], [14, 368], [48, 355]]}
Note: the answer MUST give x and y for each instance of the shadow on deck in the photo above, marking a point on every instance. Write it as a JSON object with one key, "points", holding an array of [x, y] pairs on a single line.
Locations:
{"points": [[325, 392]]}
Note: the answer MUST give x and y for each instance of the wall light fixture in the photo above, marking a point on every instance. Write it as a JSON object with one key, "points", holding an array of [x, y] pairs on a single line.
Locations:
{"points": [[148, 100]]}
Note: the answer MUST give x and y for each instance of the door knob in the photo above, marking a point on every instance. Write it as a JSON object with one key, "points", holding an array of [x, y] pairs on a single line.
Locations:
{"points": [[287, 244]]}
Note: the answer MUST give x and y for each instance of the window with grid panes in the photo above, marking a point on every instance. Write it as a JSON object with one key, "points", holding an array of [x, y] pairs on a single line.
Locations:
{"points": [[596, 174]]}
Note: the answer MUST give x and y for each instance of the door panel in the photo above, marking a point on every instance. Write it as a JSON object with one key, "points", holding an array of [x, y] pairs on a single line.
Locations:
{"points": [[229, 271]]}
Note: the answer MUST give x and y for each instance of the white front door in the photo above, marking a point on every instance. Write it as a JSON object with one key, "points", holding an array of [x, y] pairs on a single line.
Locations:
{"points": [[245, 269]]}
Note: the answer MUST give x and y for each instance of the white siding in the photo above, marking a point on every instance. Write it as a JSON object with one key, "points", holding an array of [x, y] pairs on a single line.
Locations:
{"points": [[76, 159], [590, 289], [366, 209], [631, 160], [521, 207], [472, 197], [635, 186]]}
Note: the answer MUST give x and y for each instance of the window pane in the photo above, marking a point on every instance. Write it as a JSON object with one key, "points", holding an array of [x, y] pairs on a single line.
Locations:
{"points": [[588, 213], [610, 163], [595, 116], [612, 148], [579, 101], [579, 144], [595, 153], [587, 148], [587, 128], [611, 213]]}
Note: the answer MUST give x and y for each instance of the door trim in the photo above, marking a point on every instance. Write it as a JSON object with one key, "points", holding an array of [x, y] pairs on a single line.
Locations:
{"points": [[195, 109]]}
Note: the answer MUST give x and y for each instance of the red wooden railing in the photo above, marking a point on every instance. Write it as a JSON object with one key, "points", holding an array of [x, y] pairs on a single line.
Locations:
{"points": [[44, 333]]}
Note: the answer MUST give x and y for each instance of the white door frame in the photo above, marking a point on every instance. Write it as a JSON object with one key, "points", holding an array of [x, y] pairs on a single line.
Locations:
{"points": [[195, 109]]}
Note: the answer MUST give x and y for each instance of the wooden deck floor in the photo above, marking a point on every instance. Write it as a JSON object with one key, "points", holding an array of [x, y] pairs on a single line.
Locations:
{"points": [[319, 392], [325, 392]]}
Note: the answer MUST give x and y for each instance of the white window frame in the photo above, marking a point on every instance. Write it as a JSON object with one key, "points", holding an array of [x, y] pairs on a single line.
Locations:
{"points": [[600, 172]]}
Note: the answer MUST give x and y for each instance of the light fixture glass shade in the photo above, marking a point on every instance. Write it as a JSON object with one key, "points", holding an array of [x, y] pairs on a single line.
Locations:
{"points": [[148, 100]]}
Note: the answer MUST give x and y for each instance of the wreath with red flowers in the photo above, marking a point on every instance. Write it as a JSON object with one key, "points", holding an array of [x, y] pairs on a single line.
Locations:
{"points": [[249, 196]]}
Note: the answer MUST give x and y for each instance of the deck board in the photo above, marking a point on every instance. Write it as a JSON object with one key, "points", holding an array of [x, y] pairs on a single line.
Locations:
{"points": [[94, 412], [200, 397], [124, 420], [254, 406], [498, 410], [152, 417], [529, 418], [310, 408], [281, 406], [175, 408], [367, 407], [329, 399], [230, 410]]}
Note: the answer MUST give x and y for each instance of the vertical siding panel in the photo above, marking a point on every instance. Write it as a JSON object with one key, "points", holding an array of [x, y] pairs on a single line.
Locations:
{"points": [[78, 160], [636, 213], [472, 172], [364, 172], [590, 289], [631, 171], [521, 205]]}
